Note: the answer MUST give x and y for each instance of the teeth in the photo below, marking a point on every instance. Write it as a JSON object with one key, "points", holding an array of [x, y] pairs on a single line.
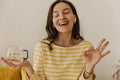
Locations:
{"points": [[63, 23]]}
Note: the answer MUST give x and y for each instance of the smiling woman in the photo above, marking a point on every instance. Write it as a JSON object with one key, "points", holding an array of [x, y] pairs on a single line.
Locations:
{"points": [[62, 51], [64, 54]]}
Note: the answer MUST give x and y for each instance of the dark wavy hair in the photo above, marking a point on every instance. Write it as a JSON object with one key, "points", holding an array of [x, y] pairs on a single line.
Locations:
{"points": [[52, 32]]}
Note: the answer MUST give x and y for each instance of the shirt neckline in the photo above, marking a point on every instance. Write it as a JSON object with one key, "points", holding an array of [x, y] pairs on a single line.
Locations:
{"points": [[68, 46]]}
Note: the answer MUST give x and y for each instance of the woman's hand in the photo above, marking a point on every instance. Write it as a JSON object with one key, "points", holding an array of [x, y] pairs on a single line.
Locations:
{"points": [[25, 63], [94, 55]]}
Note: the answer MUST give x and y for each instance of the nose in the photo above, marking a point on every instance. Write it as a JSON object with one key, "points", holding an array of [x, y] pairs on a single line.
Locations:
{"points": [[62, 16]]}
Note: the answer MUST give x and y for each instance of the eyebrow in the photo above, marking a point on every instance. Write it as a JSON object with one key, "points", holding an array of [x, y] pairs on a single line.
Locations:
{"points": [[63, 10]]}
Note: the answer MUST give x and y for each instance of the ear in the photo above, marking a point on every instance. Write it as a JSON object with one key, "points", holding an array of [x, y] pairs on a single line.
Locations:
{"points": [[75, 19]]}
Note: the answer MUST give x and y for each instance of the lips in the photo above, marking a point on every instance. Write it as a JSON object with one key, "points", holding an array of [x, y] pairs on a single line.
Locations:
{"points": [[63, 23]]}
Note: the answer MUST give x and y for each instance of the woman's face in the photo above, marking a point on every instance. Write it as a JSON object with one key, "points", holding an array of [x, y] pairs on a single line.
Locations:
{"points": [[63, 18]]}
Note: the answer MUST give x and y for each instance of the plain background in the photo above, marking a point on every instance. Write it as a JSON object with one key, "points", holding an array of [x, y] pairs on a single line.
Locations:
{"points": [[22, 22]]}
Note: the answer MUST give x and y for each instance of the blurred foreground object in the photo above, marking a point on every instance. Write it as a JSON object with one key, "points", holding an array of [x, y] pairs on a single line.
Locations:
{"points": [[116, 75]]}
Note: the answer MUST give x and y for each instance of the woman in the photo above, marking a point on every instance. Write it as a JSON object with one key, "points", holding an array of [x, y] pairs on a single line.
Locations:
{"points": [[64, 54]]}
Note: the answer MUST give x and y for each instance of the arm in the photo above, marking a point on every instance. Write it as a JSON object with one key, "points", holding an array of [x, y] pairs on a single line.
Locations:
{"points": [[93, 56], [38, 61]]}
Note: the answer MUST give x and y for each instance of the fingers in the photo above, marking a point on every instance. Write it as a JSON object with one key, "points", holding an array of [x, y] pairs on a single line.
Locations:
{"points": [[100, 44], [88, 51], [7, 62], [24, 63], [104, 46], [106, 53]]}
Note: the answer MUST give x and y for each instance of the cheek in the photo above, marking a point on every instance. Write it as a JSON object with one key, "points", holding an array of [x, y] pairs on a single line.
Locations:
{"points": [[72, 19], [55, 21]]}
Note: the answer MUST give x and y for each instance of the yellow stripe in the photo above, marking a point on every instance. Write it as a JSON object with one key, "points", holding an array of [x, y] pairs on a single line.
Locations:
{"points": [[37, 67], [70, 69], [61, 64], [60, 49], [62, 76], [38, 51], [37, 54], [45, 46]]}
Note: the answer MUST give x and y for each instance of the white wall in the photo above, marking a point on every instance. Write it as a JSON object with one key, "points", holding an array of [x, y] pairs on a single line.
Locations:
{"points": [[101, 19], [22, 22]]}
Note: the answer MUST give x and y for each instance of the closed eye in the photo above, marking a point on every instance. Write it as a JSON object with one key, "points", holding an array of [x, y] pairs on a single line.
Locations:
{"points": [[66, 11]]}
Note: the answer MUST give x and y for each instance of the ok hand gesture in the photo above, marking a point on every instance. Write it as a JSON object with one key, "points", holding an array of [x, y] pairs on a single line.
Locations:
{"points": [[94, 55]]}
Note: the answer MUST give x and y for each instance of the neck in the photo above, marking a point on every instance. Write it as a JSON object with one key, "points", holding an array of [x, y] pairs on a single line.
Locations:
{"points": [[64, 40]]}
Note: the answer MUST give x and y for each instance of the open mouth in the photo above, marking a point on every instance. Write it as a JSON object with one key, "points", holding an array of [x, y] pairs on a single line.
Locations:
{"points": [[63, 23]]}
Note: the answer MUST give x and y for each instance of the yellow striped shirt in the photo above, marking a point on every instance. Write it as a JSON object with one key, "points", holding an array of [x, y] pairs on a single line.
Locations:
{"points": [[61, 63]]}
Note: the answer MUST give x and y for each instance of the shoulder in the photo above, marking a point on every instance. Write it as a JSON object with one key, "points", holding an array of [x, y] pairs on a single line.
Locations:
{"points": [[85, 44], [42, 43]]}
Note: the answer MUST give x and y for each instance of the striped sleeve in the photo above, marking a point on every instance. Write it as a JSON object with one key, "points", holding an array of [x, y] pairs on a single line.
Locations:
{"points": [[38, 63]]}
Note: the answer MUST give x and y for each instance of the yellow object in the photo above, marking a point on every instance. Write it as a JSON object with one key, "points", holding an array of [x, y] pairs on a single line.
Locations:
{"points": [[9, 73], [23, 74]]}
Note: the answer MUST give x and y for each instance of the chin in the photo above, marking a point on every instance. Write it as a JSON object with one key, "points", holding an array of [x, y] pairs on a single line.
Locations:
{"points": [[65, 31]]}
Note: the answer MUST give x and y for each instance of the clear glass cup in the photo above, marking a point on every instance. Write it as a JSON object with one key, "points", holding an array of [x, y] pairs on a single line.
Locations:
{"points": [[15, 54]]}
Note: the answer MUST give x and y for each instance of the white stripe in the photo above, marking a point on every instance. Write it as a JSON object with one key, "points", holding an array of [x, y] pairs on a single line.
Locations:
{"points": [[62, 70], [67, 55]]}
